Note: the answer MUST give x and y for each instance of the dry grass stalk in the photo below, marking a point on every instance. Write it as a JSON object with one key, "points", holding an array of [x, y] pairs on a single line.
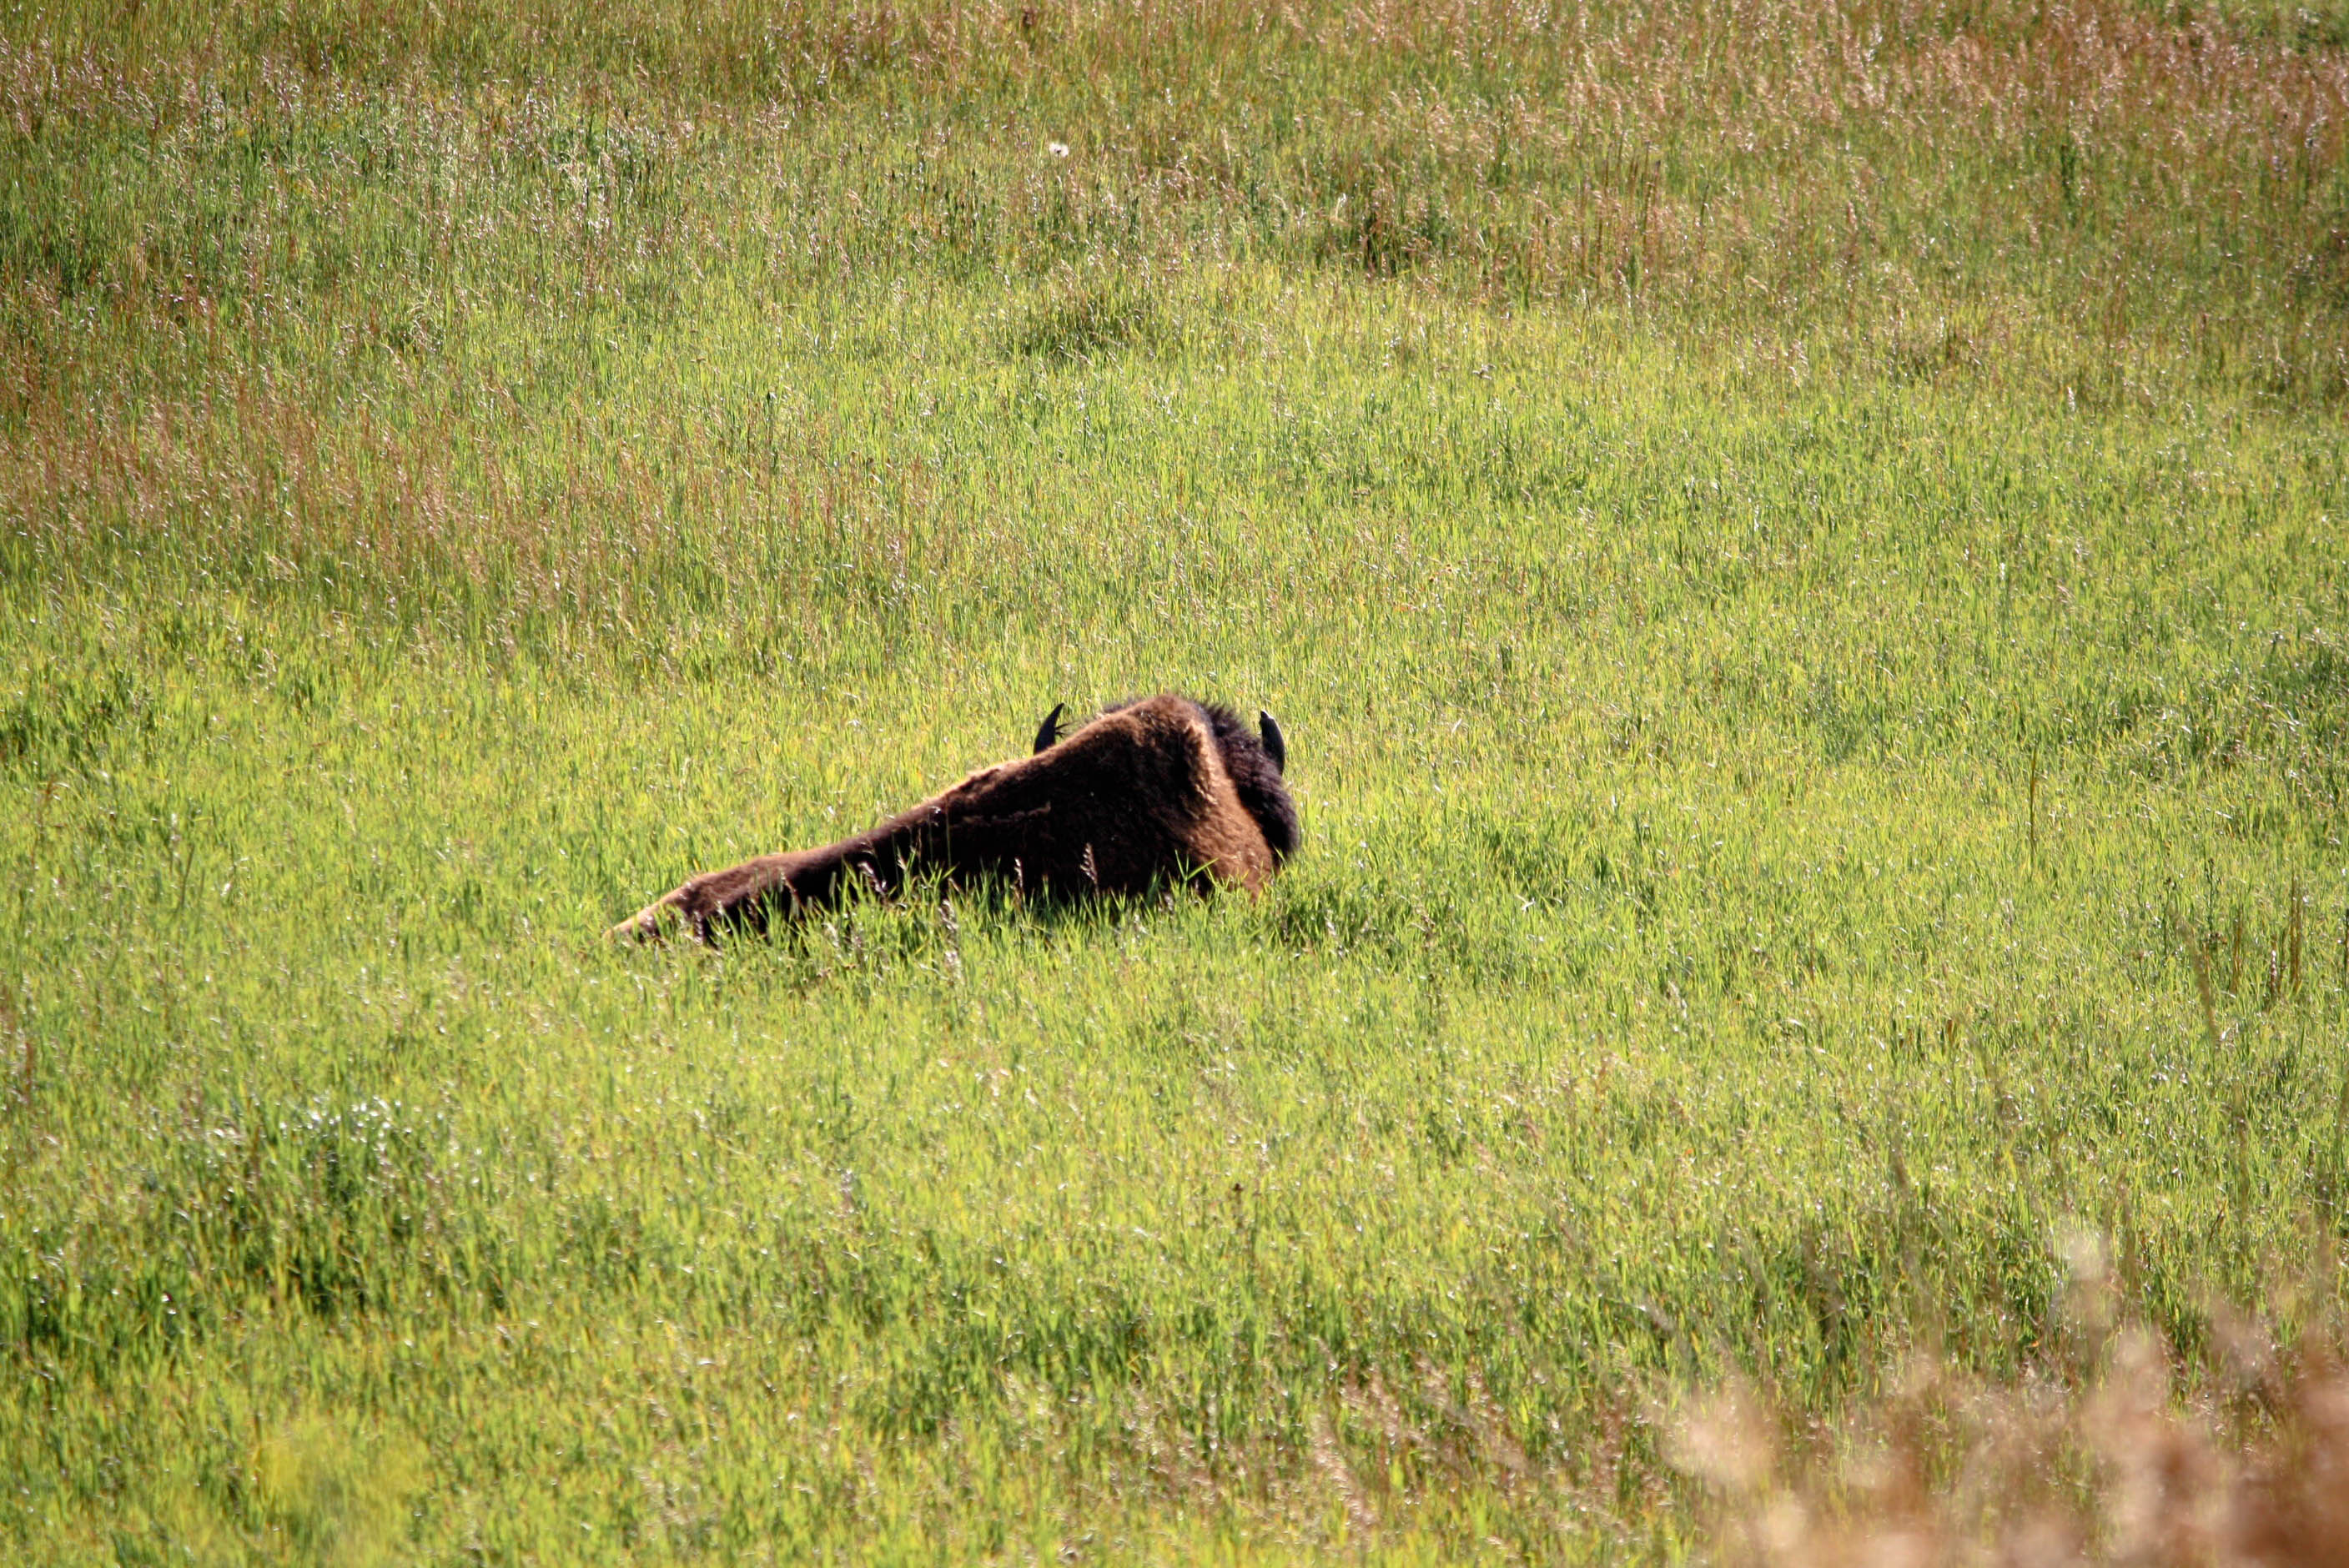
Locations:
{"points": [[1949, 1470]]}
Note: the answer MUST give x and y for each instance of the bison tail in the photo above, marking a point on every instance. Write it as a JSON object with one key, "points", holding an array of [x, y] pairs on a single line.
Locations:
{"points": [[655, 921]]}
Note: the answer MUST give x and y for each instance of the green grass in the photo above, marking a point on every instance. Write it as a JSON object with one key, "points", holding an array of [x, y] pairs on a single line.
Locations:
{"points": [[1801, 558]]}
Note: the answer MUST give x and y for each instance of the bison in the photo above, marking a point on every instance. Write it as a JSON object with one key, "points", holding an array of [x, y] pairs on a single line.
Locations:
{"points": [[1154, 790]]}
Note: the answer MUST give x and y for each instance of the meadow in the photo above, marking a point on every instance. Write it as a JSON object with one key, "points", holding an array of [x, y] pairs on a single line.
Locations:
{"points": [[1800, 553]]}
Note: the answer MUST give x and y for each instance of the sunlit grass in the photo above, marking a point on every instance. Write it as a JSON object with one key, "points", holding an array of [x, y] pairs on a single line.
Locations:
{"points": [[1812, 625]]}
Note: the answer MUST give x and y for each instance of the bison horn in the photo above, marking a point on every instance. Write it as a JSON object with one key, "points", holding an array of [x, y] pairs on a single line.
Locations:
{"points": [[1274, 746], [1048, 734]]}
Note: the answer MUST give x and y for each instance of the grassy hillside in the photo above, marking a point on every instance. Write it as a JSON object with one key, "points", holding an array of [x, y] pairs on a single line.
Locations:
{"points": [[1800, 553]]}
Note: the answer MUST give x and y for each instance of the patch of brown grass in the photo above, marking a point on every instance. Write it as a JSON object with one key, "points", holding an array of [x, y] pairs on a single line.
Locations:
{"points": [[1948, 1469]]}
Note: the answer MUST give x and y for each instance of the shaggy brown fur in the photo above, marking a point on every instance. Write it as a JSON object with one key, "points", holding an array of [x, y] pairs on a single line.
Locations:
{"points": [[1149, 790]]}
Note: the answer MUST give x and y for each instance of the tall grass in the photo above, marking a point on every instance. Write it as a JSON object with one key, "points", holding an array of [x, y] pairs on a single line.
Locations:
{"points": [[1799, 552], [508, 219]]}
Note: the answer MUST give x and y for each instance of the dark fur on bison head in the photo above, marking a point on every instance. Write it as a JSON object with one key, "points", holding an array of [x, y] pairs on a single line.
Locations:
{"points": [[1148, 791]]}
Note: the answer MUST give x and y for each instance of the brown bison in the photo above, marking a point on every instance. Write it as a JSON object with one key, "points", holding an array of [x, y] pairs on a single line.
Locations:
{"points": [[1149, 791]]}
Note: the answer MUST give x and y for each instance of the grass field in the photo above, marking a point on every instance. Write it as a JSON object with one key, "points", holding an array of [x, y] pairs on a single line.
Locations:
{"points": [[1800, 553]]}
